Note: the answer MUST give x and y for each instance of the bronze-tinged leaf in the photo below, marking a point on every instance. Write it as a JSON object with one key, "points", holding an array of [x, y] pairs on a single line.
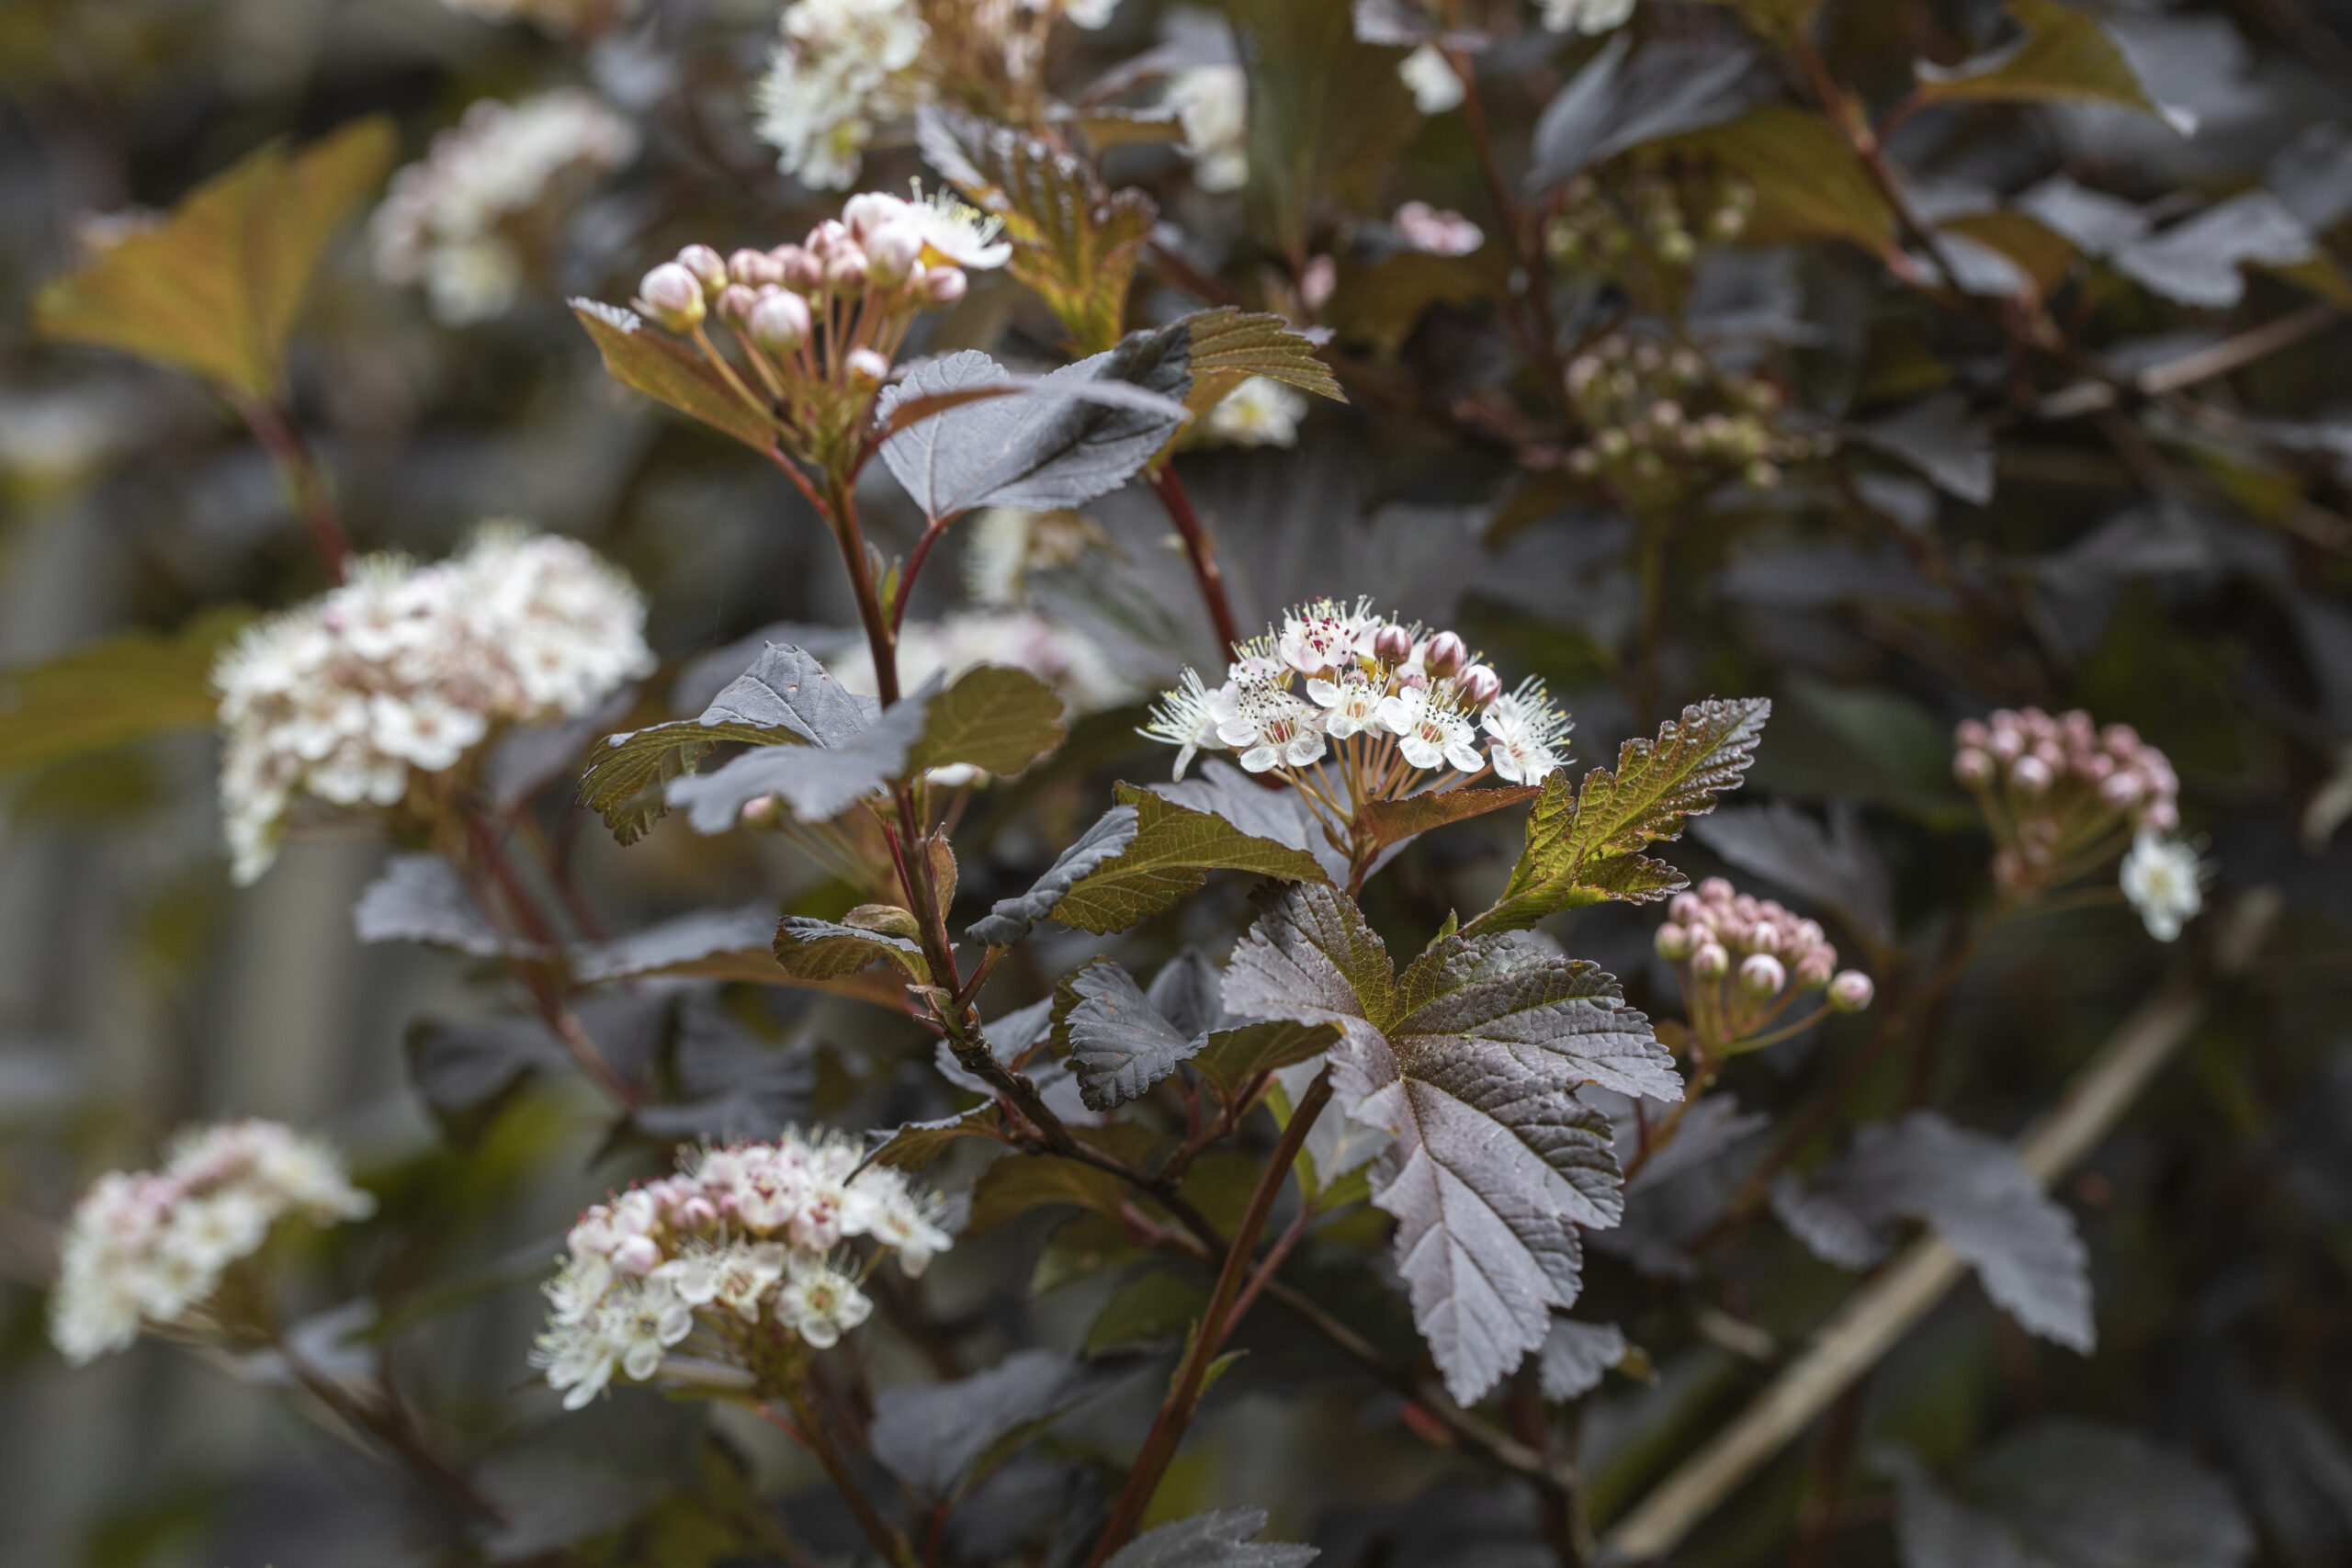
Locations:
{"points": [[1073, 241], [1807, 181], [1172, 852], [644, 360], [1327, 115], [825, 949], [215, 288], [1388, 821], [1230, 346], [916, 1143], [1018, 1183], [2066, 56], [2039, 252], [994, 717], [110, 692]]}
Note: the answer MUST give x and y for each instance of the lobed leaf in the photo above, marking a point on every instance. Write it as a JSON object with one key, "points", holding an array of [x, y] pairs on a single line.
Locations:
{"points": [[1114, 1040], [718, 944], [1073, 242], [818, 782], [1173, 850], [1470, 1061], [825, 950], [1386, 822], [652, 363], [2063, 56], [1010, 920], [1231, 1057], [1327, 117], [1807, 181], [1574, 1355], [1230, 346], [216, 287], [419, 897], [1625, 97], [1971, 1189], [1221, 1540], [1018, 1183], [912, 1146], [1938, 436], [1581, 851]]}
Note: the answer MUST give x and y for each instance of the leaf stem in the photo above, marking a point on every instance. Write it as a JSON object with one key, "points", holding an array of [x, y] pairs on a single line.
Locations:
{"points": [[1200, 548], [887, 1537], [1208, 1337], [304, 477]]}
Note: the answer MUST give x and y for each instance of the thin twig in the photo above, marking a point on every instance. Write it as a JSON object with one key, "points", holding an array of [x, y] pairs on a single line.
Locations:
{"points": [[1200, 548], [305, 478], [887, 1537]]}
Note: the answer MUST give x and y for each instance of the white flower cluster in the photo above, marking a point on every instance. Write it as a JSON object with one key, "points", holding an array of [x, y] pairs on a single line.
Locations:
{"points": [[2165, 880], [1588, 16], [1741, 960], [409, 666], [1393, 701], [843, 69], [456, 222], [1212, 103], [1435, 86], [1259, 413], [744, 1241], [151, 1244]]}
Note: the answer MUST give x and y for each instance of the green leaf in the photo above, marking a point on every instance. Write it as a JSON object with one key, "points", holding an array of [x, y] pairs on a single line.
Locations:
{"points": [[111, 693], [1018, 1183], [1173, 850], [646, 361], [1808, 183], [1230, 346], [1582, 851], [994, 717], [823, 950], [1233, 1056], [2066, 56], [917, 1144], [216, 287], [1327, 115], [1386, 822], [1073, 242], [1150, 1309]]}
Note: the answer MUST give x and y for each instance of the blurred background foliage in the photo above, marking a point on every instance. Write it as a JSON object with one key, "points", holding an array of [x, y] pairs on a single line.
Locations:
{"points": [[2147, 514]]}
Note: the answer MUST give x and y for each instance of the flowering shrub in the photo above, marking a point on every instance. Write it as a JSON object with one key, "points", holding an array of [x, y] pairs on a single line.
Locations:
{"points": [[999, 948]]}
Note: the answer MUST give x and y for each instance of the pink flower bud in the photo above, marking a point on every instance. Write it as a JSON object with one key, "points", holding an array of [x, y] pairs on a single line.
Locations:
{"points": [[1764, 938], [2118, 791], [2077, 728], [1760, 974], [1317, 282], [1412, 681], [2121, 740], [1392, 644], [1972, 768], [799, 269], [696, 1213], [2161, 816], [1716, 890], [1673, 943], [754, 269], [2030, 775], [1971, 732], [759, 811], [892, 253], [1446, 656], [1685, 907], [636, 1254], [1814, 969], [1710, 962], [845, 271], [706, 267], [735, 302], [1851, 991], [944, 285], [669, 295], [868, 368], [1744, 907], [869, 210], [779, 322], [1480, 686]]}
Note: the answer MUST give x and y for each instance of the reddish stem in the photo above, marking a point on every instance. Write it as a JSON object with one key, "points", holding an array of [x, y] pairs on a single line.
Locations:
{"points": [[305, 478], [1200, 548]]}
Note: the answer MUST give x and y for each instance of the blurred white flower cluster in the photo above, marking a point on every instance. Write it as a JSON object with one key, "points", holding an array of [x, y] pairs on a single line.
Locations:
{"points": [[844, 69], [151, 1244], [461, 221], [408, 666], [1259, 413], [742, 1253], [1586, 17], [1212, 103], [1392, 703]]}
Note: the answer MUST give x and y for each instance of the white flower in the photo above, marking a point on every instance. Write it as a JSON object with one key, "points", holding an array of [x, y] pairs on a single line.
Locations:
{"points": [[1525, 732], [746, 1274], [578, 1357], [1325, 635], [1430, 734], [154, 1244], [1089, 14], [1588, 16], [1259, 413], [1186, 719], [2165, 881], [956, 234], [841, 67], [1212, 104], [1267, 725], [645, 1317], [1440, 232], [885, 1208], [1353, 703], [407, 667], [820, 1303], [1430, 77], [451, 222]]}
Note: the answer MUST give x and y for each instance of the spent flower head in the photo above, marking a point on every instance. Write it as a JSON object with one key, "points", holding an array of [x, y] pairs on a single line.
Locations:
{"points": [[747, 1256], [152, 1247]]}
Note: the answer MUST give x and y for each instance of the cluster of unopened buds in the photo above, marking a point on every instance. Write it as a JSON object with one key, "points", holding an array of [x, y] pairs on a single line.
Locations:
{"points": [[817, 324], [154, 1246], [1652, 217], [2061, 793], [1642, 400], [1395, 707], [729, 1272], [1743, 961]]}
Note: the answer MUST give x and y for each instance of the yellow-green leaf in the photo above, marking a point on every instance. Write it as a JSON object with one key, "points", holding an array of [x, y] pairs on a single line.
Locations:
{"points": [[124, 688], [2064, 57], [994, 717], [645, 361], [1172, 855], [1230, 346], [215, 288]]}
